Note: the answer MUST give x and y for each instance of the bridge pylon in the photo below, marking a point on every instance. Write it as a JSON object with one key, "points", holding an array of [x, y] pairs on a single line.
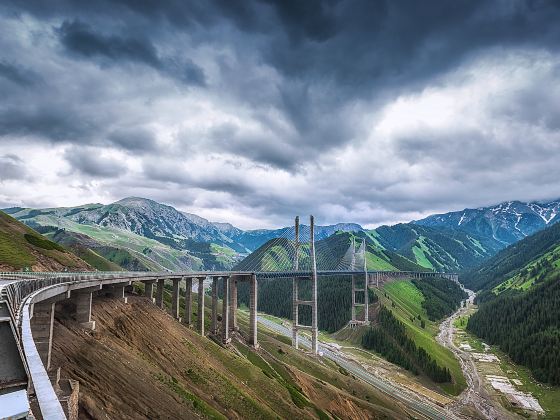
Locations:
{"points": [[296, 301]]}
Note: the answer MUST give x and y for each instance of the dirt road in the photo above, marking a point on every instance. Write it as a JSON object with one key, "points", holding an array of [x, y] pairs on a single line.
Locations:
{"points": [[475, 396]]}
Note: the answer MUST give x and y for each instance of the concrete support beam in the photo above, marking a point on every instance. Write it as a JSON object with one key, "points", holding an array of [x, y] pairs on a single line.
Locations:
{"points": [[295, 313], [83, 309], [200, 320], [42, 330], [314, 321], [117, 291], [149, 289], [366, 298], [159, 293], [233, 304], [253, 312], [214, 326], [353, 298], [188, 302], [175, 299], [225, 311], [295, 288]]}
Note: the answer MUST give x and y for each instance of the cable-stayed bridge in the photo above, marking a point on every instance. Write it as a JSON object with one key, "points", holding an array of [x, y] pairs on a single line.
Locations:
{"points": [[28, 300]]}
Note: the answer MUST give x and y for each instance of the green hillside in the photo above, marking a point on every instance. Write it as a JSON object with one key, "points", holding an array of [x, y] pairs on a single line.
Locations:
{"points": [[151, 254], [406, 303], [22, 248], [519, 266], [437, 249], [526, 325]]}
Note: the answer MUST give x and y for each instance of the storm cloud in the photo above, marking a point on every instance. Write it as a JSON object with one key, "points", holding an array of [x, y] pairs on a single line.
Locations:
{"points": [[251, 112]]}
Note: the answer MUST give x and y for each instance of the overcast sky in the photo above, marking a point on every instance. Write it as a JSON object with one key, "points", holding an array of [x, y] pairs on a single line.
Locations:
{"points": [[252, 112]]}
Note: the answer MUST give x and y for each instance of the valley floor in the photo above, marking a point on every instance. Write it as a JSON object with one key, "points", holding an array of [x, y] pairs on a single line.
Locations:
{"points": [[496, 388]]}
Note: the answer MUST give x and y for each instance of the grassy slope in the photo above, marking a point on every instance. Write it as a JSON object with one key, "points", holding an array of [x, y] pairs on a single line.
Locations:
{"points": [[509, 262], [532, 272], [153, 254], [408, 301], [22, 247], [209, 381]]}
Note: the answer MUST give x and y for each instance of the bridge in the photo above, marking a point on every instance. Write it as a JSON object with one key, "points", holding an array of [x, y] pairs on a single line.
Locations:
{"points": [[28, 301]]}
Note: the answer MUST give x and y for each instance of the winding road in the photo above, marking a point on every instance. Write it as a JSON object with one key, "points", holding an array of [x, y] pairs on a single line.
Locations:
{"points": [[475, 395]]}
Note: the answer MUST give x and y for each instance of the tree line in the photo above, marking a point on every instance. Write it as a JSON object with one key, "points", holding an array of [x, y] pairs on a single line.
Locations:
{"points": [[526, 325], [389, 339], [441, 296]]}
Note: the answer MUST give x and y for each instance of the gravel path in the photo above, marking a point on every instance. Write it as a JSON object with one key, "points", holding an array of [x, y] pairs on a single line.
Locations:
{"points": [[475, 395]]}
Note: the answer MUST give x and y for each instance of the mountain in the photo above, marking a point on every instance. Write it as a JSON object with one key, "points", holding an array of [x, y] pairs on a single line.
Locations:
{"points": [[151, 254], [438, 249], [506, 223], [22, 248], [139, 233], [99, 256], [253, 239], [520, 265]]}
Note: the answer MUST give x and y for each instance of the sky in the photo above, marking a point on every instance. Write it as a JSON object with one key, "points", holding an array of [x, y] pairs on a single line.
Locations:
{"points": [[252, 112]]}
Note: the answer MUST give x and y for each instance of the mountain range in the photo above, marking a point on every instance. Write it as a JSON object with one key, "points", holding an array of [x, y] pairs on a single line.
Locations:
{"points": [[506, 223], [138, 234]]}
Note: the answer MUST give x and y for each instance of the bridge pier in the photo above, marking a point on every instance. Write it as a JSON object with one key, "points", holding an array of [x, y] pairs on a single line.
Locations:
{"points": [[366, 298], [233, 304], [200, 319], [188, 302], [353, 299], [314, 323], [42, 326], [82, 299], [117, 290], [149, 289], [214, 325], [175, 299], [159, 293], [295, 313], [253, 312], [225, 311]]}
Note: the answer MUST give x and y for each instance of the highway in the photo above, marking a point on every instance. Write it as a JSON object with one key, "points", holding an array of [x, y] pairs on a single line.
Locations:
{"points": [[425, 408]]}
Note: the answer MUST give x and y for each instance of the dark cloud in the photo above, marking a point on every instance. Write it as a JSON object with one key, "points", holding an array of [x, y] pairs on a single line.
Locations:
{"points": [[12, 168], [273, 106], [80, 38], [16, 74], [133, 139], [90, 163]]}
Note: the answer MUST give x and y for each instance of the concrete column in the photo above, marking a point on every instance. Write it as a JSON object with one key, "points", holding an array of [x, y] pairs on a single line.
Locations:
{"points": [[295, 284], [353, 298], [253, 312], [159, 293], [188, 302], [149, 289], [225, 311], [366, 298], [295, 313], [42, 329], [214, 326], [200, 320], [314, 323], [117, 291], [175, 299], [83, 309], [233, 304]]}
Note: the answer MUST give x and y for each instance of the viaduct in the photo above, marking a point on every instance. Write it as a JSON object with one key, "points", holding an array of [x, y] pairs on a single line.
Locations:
{"points": [[28, 300]]}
